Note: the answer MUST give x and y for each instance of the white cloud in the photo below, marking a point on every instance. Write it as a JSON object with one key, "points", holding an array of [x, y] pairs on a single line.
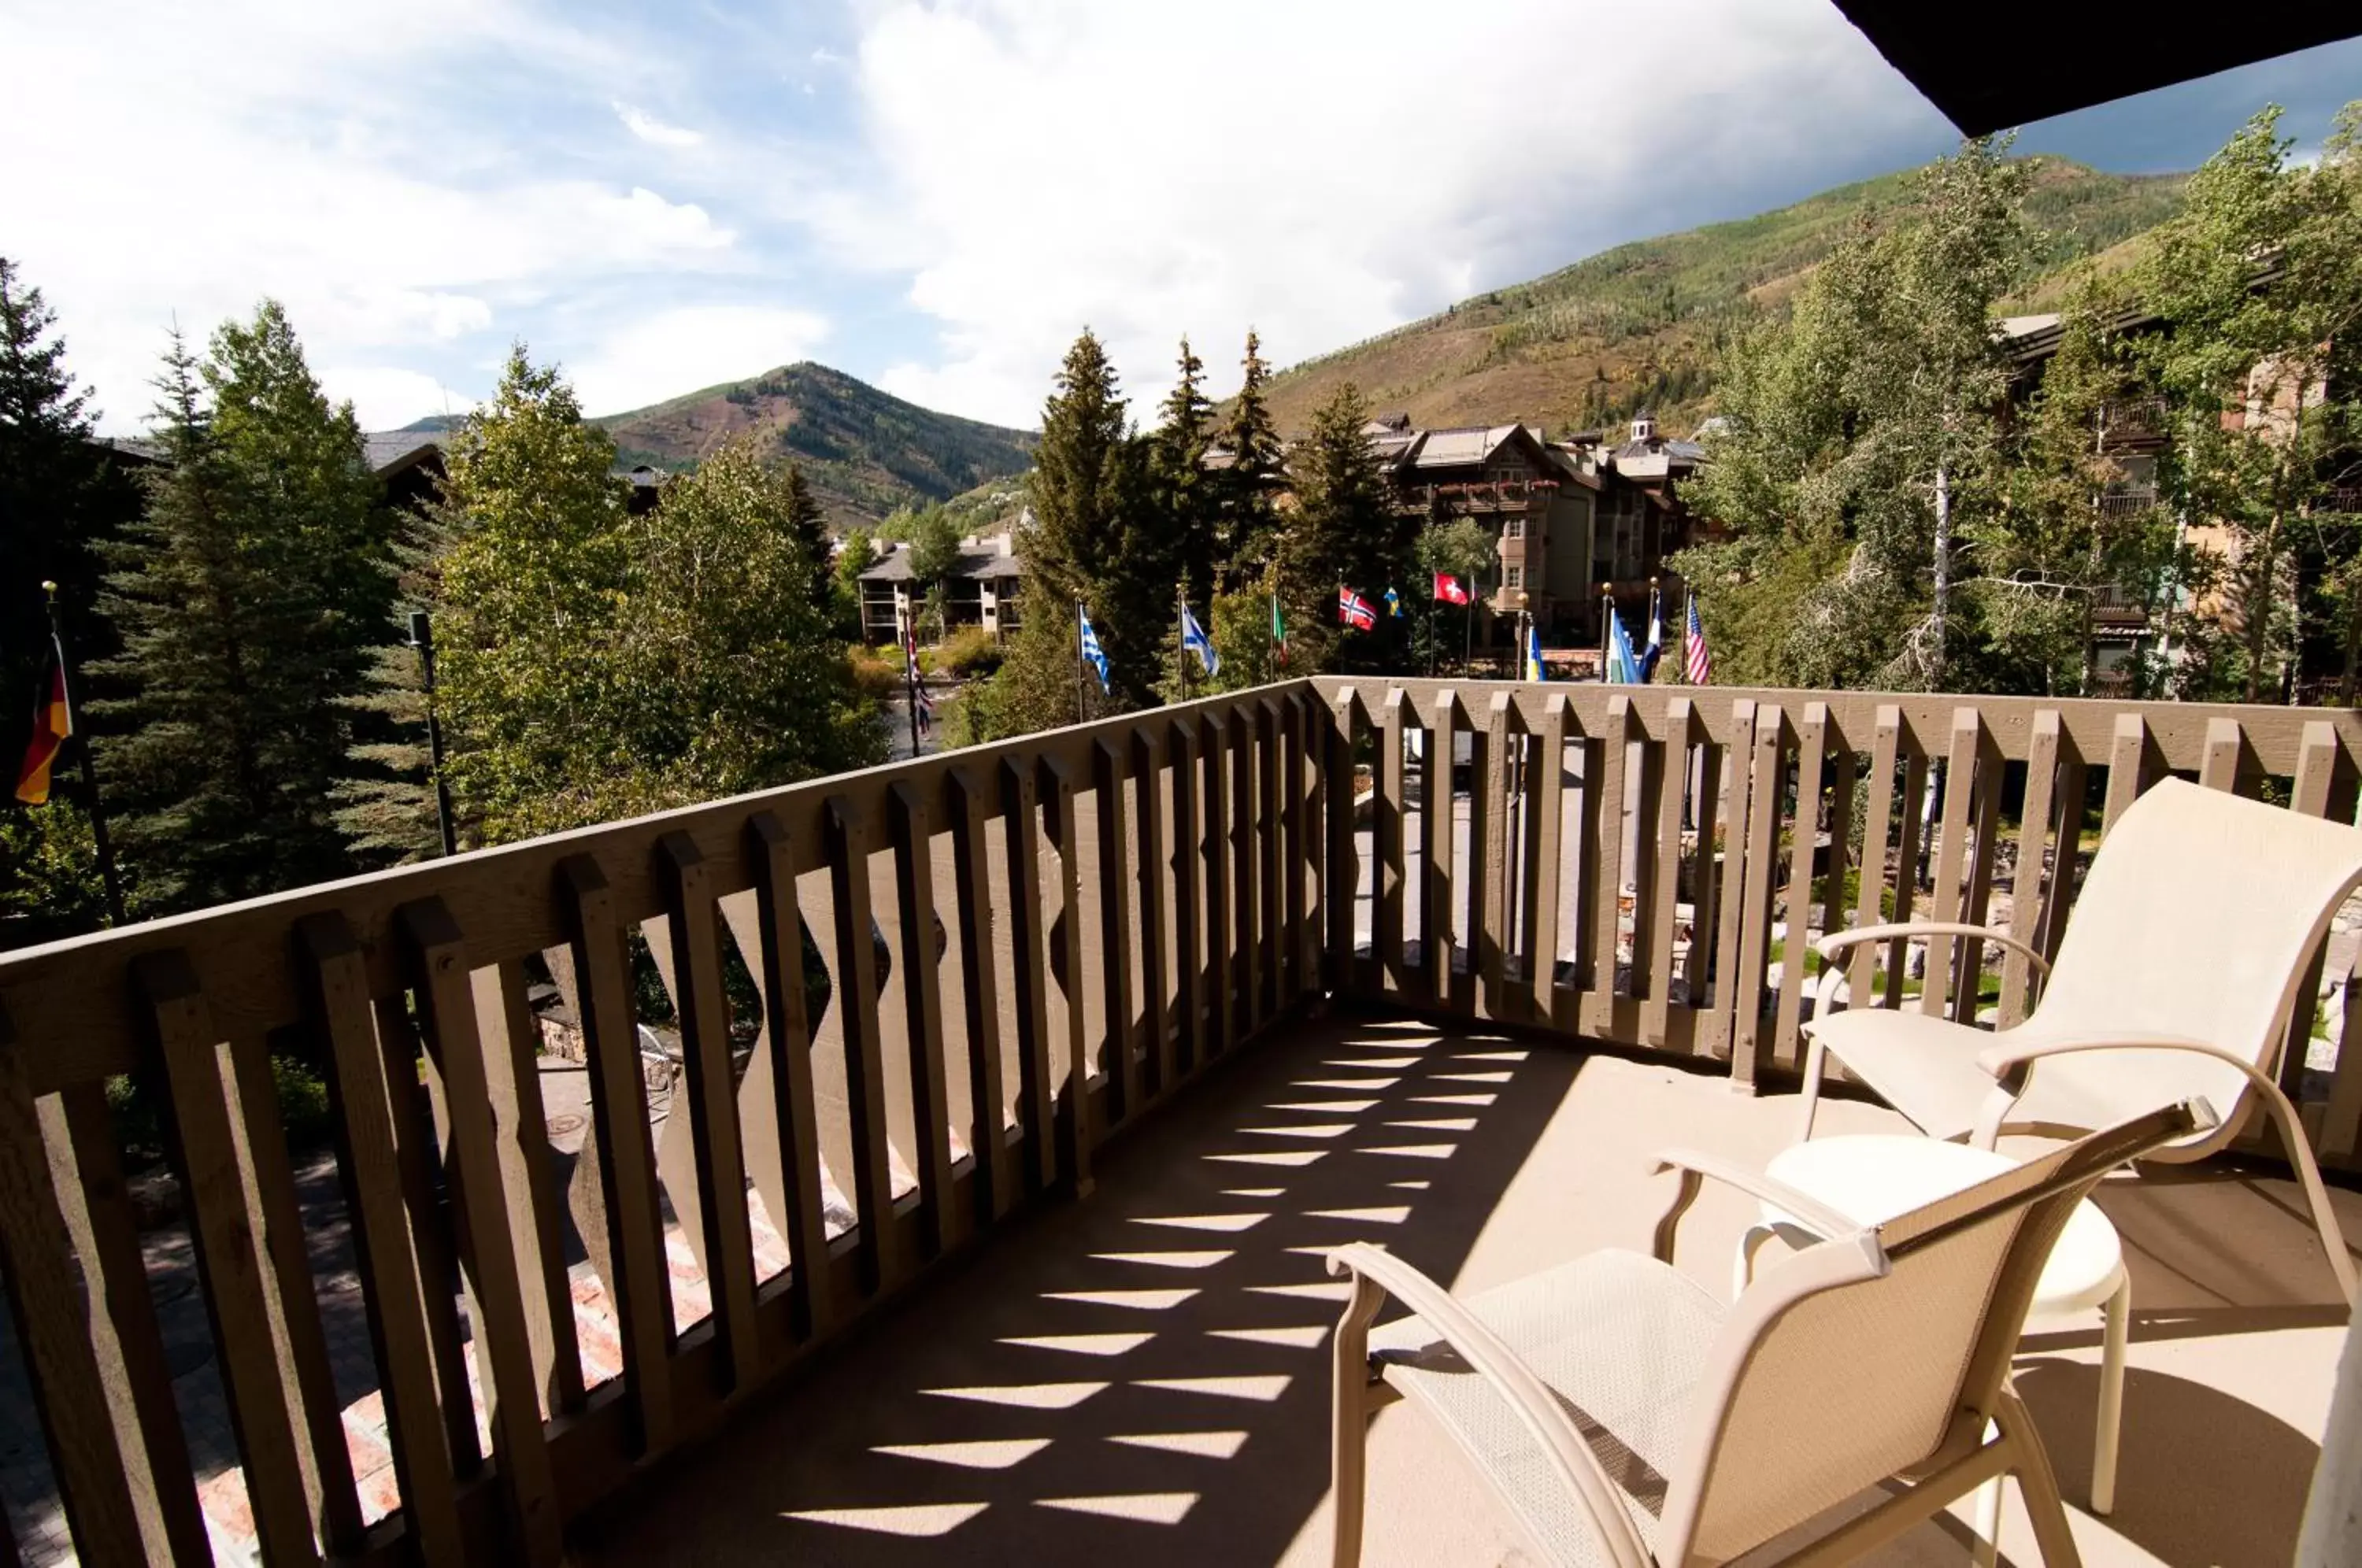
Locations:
{"points": [[385, 397], [1038, 165], [681, 349], [649, 128]]}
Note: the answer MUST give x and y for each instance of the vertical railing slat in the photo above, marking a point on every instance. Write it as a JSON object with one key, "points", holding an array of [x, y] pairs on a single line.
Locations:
{"points": [[627, 1249], [1300, 851], [1389, 831], [1341, 891], [79, 1128], [1222, 933], [1812, 753], [1270, 822], [2043, 747], [1705, 885], [1906, 861], [54, 1333], [855, 1001], [512, 1042], [1245, 824], [1114, 937], [1603, 850], [1763, 792], [1547, 806], [1878, 811], [911, 826], [226, 1229], [1670, 760], [1435, 928], [1148, 813], [996, 1171], [1968, 980], [2130, 757], [1730, 879], [1959, 787], [337, 987], [1493, 925], [440, 967], [304, 1341], [2314, 784], [2227, 744], [1189, 1044], [1075, 1121], [712, 1100]]}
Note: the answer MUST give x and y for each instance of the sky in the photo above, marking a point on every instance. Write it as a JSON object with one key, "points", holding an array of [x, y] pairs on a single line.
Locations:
{"points": [[934, 197]]}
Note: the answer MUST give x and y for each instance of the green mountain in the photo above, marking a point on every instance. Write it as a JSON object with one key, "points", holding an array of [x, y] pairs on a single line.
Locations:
{"points": [[1639, 324], [865, 452]]}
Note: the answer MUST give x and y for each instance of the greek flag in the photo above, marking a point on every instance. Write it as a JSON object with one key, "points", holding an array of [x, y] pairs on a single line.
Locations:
{"points": [[1622, 666], [1193, 640], [1093, 654]]}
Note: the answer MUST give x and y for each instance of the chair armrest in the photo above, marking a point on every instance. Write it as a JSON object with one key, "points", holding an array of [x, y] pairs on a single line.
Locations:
{"points": [[1535, 1406], [1837, 942], [1809, 1212], [2009, 1061]]}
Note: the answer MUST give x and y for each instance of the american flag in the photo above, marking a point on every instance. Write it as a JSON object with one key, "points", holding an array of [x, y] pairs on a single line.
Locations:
{"points": [[1701, 662]]}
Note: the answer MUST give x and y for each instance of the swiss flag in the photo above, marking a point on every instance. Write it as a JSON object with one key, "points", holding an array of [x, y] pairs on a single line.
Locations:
{"points": [[1448, 589]]}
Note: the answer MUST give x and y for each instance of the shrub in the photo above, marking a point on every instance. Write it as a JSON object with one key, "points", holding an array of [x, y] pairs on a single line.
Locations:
{"points": [[969, 654]]}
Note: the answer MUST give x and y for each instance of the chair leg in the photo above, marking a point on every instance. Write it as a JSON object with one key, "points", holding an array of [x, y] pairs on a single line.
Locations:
{"points": [[2308, 1175], [2110, 1428], [1985, 1551], [2036, 1484], [1809, 1101], [1742, 1263], [1350, 1418]]}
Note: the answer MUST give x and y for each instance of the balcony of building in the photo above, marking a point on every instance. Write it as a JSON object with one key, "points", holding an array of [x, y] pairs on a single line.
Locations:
{"points": [[671, 1215]]}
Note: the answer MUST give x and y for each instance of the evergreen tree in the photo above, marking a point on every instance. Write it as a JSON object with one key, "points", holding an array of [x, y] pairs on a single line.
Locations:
{"points": [[1189, 492], [934, 551], [855, 554], [1248, 516], [250, 600], [1344, 531]]}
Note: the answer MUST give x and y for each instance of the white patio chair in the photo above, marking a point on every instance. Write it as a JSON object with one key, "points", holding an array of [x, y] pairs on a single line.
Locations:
{"points": [[2175, 980], [1627, 1418]]}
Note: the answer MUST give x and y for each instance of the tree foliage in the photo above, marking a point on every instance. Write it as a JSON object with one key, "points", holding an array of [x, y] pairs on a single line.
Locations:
{"points": [[1343, 531], [253, 594], [598, 665]]}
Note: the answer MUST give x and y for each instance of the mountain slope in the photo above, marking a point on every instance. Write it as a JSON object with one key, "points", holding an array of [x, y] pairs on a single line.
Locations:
{"points": [[1638, 325], [865, 452]]}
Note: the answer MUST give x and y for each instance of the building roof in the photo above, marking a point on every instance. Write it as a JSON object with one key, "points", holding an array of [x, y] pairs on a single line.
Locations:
{"points": [[391, 451], [2007, 62], [980, 564], [1461, 447]]}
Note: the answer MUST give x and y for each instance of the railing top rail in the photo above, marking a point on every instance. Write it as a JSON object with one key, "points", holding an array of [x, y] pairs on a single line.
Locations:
{"points": [[69, 1001]]}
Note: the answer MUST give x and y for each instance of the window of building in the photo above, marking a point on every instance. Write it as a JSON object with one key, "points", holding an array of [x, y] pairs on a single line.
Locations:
{"points": [[1514, 577], [1512, 528]]}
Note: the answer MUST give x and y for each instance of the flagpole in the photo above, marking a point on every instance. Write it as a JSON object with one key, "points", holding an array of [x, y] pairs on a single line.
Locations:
{"points": [[1430, 623], [1656, 624], [1082, 711], [1607, 628], [1181, 634], [911, 672], [98, 838], [421, 637]]}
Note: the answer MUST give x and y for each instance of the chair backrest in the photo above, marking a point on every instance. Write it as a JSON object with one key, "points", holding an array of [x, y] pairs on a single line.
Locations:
{"points": [[2196, 919], [1879, 1352]]}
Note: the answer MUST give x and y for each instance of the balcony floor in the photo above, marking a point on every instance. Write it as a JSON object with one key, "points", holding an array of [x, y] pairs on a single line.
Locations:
{"points": [[1143, 1377]]}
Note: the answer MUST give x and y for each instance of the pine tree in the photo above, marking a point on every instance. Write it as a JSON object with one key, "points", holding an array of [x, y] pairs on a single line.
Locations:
{"points": [[251, 598], [1187, 491], [54, 510], [1245, 534], [1344, 531]]}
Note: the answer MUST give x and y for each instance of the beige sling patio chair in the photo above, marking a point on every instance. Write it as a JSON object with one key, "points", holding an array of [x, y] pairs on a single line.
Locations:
{"points": [[1629, 1418], [2175, 980]]}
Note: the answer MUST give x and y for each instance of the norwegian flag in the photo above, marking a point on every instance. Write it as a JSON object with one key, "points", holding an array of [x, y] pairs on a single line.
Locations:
{"points": [[1354, 611], [1450, 590]]}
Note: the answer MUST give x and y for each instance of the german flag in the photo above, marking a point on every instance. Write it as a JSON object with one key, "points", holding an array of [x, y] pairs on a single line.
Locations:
{"points": [[53, 722]]}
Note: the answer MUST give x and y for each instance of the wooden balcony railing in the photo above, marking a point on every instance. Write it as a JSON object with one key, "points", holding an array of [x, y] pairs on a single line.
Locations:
{"points": [[966, 973]]}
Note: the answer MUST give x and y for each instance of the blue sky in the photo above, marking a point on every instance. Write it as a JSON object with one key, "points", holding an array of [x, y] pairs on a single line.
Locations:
{"points": [[934, 197]]}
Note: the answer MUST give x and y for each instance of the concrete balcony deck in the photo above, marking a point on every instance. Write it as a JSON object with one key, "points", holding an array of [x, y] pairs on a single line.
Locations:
{"points": [[1140, 1378]]}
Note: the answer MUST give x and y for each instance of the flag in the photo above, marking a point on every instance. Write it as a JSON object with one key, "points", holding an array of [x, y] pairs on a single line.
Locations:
{"points": [[1193, 640], [1093, 654], [1278, 631], [1450, 590], [53, 722], [1622, 666], [1656, 649], [1394, 603], [1701, 662], [1534, 670], [1354, 611]]}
